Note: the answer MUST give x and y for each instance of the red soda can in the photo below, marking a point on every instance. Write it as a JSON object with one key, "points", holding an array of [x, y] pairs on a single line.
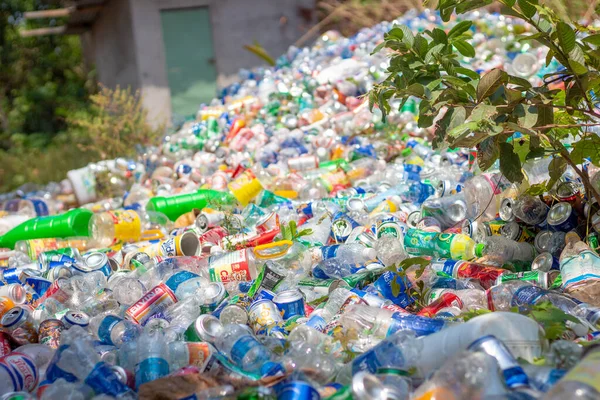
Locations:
{"points": [[158, 299], [23, 370], [445, 300]]}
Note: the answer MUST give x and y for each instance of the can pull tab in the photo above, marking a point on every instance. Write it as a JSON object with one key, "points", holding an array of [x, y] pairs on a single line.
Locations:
{"points": [[152, 234], [272, 250]]}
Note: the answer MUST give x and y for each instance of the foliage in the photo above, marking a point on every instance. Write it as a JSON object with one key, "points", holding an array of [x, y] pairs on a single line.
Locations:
{"points": [[42, 79], [290, 231], [468, 110], [116, 124], [552, 319]]}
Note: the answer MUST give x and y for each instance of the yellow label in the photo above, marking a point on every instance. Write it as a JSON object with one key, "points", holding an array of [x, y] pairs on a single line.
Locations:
{"points": [[128, 227], [458, 246], [587, 371]]}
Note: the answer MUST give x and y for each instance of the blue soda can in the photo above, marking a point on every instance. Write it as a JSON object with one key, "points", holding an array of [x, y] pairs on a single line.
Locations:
{"points": [[342, 226], [290, 303], [316, 321], [11, 275], [264, 294], [95, 261], [562, 217], [39, 284], [513, 373], [393, 287], [297, 390]]}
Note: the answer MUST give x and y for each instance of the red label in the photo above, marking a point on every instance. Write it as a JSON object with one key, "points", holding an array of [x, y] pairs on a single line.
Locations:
{"points": [[156, 300]]}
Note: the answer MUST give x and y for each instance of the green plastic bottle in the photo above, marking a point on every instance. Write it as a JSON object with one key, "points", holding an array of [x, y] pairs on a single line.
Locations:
{"points": [[444, 245], [175, 206], [69, 224]]}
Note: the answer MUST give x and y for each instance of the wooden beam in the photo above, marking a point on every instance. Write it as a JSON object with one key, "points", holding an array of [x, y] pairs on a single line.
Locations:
{"points": [[56, 13], [56, 30]]}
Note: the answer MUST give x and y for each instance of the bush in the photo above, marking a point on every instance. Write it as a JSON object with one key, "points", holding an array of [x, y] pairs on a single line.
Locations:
{"points": [[113, 126]]}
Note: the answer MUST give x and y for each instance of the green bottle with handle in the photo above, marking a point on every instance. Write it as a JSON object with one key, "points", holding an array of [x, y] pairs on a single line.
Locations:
{"points": [[175, 206], [72, 223]]}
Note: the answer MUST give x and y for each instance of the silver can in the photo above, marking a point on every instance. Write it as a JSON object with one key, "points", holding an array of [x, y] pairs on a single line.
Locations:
{"points": [[506, 210], [96, 261]]}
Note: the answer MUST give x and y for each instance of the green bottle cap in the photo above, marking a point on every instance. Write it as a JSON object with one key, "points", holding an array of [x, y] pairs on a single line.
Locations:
{"points": [[406, 152], [479, 249]]}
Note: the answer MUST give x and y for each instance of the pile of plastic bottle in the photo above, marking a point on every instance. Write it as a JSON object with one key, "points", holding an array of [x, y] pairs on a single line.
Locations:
{"points": [[290, 244]]}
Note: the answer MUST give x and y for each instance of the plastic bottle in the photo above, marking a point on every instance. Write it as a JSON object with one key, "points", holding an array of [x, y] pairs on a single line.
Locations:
{"points": [[109, 227], [70, 224], [152, 358], [114, 330], [239, 344], [581, 382], [499, 248], [445, 245], [580, 270], [175, 206]]}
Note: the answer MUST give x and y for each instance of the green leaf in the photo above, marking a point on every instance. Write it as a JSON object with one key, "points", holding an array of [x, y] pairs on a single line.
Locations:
{"points": [[537, 189], [435, 50], [566, 36], [396, 33], [408, 38], [513, 95], [545, 116], [378, 47], [439, 36], [482, 112], [552, 319], [515, 80], [578, 68], [487, 153], [510, 164], [549, 57], [526, 115], [416, 90], [556, 169], [592, 39], [490, 82], [589, 147], [577, 61], [421, 46], [460, 28], [527, 7], [464, 48], [467, 72]]}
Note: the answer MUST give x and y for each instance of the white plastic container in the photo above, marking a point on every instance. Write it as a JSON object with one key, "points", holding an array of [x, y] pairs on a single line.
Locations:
{"points": [[523, 336], [84, 184]]}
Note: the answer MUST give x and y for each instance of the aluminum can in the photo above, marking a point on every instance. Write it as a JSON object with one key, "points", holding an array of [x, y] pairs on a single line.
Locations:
{"points": [[206, 328], [49, 332], [263, 313], [158, 299], [514, 376], [290, 303], [73, 318], [562, 217]]}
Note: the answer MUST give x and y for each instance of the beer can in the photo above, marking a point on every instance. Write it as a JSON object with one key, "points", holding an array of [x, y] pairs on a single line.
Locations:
{"points": [[570, 192], [539, 278], [72, 318], [156, 300], [342, 227], [62, 271], [206, 328], [263, 313], [297, 390], [514, 231], [19, 323], [545, 262], [514, 376], [23, 371], [186, 244], [214, 294], [562, 217], [64, 255], [389, 228], [549, 241], [95, 261], [49, 332], [506, 210], [290, 303], [233, 314]]}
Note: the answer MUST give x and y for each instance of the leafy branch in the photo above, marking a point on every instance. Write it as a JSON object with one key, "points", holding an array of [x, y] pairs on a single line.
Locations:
{"points": [[465, 109], [290, 231]]}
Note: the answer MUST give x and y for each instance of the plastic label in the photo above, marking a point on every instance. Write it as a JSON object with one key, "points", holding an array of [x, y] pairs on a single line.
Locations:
{"points": [[242, 347], [579, 269], [128, 226], [178, 278], [106, 326]]}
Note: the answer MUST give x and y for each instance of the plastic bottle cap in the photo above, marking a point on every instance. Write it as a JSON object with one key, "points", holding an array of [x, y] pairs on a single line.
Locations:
{"points": [[406, 152], [479, 249]]}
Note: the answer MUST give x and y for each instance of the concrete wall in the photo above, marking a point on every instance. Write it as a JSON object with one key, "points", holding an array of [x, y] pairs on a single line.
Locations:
{"points": [[275, 24], [113, 46]]}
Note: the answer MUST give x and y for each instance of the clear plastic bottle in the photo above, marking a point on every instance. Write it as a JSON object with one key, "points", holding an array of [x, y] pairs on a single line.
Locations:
{"points": [[338, 300], [352, 253], [152, 358], [239, 344], [580, 270], [523, 294], [499, 248], [482, 194], [114, 330], [128, 225], [582, 381]]}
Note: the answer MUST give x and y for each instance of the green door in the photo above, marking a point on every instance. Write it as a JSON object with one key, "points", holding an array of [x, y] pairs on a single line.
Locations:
{"points": [[191, 71]]}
